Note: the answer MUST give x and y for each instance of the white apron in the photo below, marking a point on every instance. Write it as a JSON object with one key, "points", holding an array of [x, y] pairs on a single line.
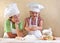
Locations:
{"points": [[12, 30], [36, 33]]}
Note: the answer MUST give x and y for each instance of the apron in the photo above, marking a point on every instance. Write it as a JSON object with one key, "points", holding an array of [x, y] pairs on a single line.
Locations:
{"points": [[12, 30], [36, 33]]}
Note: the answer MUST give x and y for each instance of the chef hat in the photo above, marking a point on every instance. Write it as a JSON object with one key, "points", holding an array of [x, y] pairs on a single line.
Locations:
{"points": [[35, 7], [11, 10]]}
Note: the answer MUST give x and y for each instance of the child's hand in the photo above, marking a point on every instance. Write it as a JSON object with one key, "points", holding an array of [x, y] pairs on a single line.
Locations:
{"points": [[34, 28], [39, 28]]}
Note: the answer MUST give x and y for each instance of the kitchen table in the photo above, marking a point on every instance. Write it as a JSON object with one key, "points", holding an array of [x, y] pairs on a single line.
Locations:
{"points": [[12, 40]]}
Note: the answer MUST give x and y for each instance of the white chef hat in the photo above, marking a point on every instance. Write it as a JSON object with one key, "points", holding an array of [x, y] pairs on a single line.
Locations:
{"points": [[35, 7], [11, 10]]}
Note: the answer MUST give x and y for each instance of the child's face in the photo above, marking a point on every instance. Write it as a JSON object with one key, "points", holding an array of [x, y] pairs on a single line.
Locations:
{"points": [[34, 14], [15, 18]]}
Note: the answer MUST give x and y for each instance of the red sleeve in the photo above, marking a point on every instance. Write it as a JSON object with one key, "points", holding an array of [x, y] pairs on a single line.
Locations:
{"points": [[39, 19], [26, 21]]}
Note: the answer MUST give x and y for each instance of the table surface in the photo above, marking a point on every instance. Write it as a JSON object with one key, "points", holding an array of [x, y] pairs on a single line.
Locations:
{"points": [[12, 40]]}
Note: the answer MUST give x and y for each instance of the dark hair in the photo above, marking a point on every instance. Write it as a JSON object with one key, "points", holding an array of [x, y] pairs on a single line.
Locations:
{"points": [[10, 18]]}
